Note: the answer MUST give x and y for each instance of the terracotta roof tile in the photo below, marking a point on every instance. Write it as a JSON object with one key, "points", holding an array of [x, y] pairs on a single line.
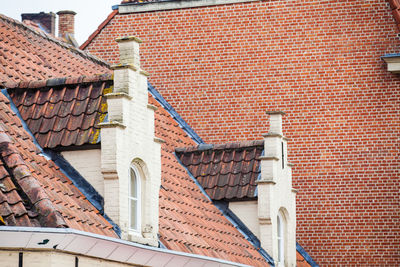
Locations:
{"points": [[27, 54], [33, 191], [63, 113], [225, 171]]}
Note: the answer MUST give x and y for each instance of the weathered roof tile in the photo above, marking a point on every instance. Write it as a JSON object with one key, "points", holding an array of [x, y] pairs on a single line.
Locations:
{"points": [[64, 115]]}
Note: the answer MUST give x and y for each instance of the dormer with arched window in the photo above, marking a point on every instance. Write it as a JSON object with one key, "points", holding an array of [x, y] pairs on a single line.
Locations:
{"points": [[135, 200], [130, 152], [276, 197]]}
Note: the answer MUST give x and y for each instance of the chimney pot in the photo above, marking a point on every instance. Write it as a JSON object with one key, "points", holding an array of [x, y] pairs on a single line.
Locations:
{"points": [[66, 23], [45, 20]]}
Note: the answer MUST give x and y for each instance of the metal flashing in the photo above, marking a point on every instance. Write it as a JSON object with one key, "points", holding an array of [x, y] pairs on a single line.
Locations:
{"points": [[181, 122], [193, 178], [305, 255], [391, 55], [223, 206], [26, 128]]}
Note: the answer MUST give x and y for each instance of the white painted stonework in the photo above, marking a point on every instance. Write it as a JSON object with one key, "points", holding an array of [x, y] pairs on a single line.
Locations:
{"points": [[247, 212], [276, 195], [128, 137], [88, 164]]}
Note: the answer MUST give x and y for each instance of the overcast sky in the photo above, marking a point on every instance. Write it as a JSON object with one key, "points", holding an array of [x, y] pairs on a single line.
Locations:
{"points": [[90, 13]]}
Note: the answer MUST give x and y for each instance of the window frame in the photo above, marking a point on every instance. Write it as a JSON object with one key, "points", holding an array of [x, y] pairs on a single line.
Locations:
{"points": [[281, 239], [137, 199]]}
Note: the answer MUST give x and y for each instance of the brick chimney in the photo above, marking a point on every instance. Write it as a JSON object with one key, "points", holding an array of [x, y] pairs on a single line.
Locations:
{"points": [[66, 23], [47, 21]]}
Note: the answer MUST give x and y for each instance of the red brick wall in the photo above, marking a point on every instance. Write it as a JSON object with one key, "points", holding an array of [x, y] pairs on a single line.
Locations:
{"points": [[319, 61]]}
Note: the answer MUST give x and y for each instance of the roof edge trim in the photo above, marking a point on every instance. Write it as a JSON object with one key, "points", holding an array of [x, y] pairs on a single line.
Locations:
{"points": [[54, 234], [131, 7], [181, 122]]}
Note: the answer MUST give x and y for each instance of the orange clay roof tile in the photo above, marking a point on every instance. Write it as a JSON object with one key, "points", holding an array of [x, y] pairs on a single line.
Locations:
{"points": [[189, 222], [27, 54]]}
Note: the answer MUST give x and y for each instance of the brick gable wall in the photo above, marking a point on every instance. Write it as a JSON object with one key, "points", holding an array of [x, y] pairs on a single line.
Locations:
{"points": [[319, 61]]}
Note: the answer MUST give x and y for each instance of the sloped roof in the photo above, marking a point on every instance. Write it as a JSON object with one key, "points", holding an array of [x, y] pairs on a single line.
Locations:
{"points": [[33, 190], [225, 171], [63, 112], [27, 54], [189, 221]]}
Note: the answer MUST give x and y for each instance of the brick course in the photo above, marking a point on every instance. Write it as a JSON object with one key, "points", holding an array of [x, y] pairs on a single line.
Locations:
{"points": [[221, 67]]}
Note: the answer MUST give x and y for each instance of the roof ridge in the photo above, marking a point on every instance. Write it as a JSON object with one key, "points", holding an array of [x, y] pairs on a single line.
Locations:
{"points": [[232, 145], [55, 40], [61, 81]]}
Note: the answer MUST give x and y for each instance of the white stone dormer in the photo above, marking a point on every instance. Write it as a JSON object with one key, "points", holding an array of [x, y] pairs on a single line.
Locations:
{"points": [[276, 197], [130, 153]]}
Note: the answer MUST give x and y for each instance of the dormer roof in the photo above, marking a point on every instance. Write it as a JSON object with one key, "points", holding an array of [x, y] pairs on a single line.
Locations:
{"points": [[225, 171]]}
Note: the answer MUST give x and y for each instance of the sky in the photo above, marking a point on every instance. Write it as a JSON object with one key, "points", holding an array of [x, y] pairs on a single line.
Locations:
{"points": [[90, 13]]}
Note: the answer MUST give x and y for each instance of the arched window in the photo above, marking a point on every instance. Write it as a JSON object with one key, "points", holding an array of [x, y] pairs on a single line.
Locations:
{"points": [[134, 199], [281, 240]]}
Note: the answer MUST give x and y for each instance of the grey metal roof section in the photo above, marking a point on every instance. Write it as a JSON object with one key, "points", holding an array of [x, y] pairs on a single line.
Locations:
{"points": [[173, 4], [78, 242]]}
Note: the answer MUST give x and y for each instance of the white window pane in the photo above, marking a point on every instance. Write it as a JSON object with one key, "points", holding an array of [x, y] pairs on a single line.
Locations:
{"points": [[134, 217], [133, 192], [279, 227]]}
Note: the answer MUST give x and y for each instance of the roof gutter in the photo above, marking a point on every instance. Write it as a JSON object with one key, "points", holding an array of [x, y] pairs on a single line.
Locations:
{"points": [[69, 240], [393, 62]]}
